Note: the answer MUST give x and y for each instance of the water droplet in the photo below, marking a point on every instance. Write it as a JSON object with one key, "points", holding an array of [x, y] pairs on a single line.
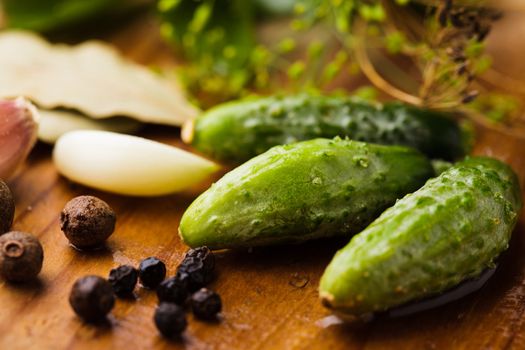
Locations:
{"points": [[318, 219], [509, 213], [380, 177], [329, 321], [423, 201], [466, 227], [467, 202], [299, 280], [484, 189], [364, 146], [317, 180], [362, 161], [276, 111]]}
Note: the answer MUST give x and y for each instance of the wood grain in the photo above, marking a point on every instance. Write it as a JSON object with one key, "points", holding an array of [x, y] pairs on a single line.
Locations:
{"points": [[269, 294]]}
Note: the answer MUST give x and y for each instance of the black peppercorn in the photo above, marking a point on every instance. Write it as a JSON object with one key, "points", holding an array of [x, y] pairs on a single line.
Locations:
{"points": [[185, 279], [170, 319], [7, 208], [151, 272], [92, 298], [204, 254], [197, 267], [87, 221], [198, 273], [21, 256], [206, 304], [173, 290], [123, 279]]}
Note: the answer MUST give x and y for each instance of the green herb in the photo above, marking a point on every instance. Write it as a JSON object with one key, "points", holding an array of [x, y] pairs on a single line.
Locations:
{"points": [[225, 59], [497, 107], [217, 39], [49, 15]]}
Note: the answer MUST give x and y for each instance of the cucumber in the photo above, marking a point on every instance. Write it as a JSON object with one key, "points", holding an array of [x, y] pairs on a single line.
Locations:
{"points": [[237, 131], [302, 191], [448, 231]]}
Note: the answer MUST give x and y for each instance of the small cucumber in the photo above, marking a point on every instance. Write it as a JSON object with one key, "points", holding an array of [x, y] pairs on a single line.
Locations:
{"points": [[240, 130], [302, 191], [448, 231]]}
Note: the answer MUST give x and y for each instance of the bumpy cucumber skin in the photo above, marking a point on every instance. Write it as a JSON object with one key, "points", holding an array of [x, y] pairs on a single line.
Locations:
{"points": [[448, 231], [238, 131], [302, 191]]}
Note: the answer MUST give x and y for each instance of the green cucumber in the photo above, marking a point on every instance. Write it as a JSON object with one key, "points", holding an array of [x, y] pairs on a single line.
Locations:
{"points": [[448, 231], [302, 191], [237, 131]]}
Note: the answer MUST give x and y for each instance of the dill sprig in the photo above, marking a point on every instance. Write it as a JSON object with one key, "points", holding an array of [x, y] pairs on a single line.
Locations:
{"points": [[323, 40]]}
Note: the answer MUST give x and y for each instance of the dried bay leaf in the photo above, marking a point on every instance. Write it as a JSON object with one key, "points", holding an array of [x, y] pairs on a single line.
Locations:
{"points": [[91, 78]]}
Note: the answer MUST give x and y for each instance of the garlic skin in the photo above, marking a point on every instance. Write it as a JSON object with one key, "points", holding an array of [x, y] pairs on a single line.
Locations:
{"points": [[128, 165], [18, 133]]}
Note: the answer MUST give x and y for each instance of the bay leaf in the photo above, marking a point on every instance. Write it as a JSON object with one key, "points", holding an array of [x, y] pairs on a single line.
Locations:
{"points": [[92, 78]]}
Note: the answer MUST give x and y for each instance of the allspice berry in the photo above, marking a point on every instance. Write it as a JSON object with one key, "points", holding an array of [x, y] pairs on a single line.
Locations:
{"points": [[21, 256], [92, 298], [7, 208], [87, 221]]}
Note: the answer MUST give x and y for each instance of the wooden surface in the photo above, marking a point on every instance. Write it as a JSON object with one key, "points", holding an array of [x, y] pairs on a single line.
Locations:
{"points": [[269, 295]]}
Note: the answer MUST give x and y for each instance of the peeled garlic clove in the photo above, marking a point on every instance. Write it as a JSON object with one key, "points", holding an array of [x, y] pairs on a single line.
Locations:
{"points": [[128, 165], [55, 123], [18, 133]]}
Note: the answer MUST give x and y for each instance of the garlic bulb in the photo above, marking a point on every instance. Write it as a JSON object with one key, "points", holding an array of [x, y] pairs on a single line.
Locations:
{"points": [[18, 133]]}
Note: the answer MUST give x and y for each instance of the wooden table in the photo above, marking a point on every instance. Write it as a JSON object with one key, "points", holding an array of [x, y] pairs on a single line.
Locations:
{"points": [[269, 294]]}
